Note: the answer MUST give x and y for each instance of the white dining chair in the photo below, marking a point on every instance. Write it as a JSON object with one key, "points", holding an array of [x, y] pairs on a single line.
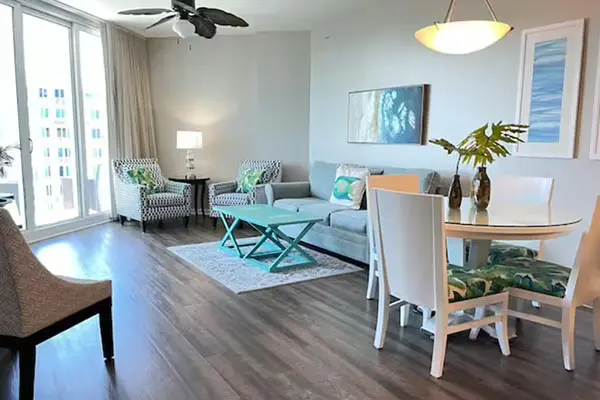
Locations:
{"points": [[397, 183], [523, 190], [410, 240], [564, 287]]}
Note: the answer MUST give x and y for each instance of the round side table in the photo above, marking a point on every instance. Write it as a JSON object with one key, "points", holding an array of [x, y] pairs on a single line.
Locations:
{"points": [[195, 182]]}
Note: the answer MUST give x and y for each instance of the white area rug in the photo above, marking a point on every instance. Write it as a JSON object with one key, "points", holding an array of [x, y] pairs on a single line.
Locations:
{"points": [[240, 277]]}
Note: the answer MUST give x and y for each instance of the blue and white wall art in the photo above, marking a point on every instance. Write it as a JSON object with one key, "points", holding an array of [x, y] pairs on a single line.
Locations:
{"points": [[387, 116], [549, 92]]}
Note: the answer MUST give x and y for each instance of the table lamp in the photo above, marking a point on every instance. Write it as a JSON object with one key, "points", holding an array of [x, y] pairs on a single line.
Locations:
{"points": [[189, 140]]}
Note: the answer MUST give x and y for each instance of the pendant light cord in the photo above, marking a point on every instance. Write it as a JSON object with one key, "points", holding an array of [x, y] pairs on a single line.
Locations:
{"points": [[453, 4]]}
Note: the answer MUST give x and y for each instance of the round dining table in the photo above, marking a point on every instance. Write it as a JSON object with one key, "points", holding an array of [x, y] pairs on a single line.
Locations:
{"points": [[504, 222]]}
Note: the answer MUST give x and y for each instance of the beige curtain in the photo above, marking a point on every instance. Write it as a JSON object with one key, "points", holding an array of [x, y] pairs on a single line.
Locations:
{"points": [[131, 95]]}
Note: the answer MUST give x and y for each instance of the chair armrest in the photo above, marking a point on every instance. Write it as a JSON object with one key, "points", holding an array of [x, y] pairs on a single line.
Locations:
{"points": [[259, 195], [128, 191], [216, 189], [288, 190], [178, 188]]}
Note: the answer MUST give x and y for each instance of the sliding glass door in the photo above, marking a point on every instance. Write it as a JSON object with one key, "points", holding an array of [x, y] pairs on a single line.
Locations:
{"points": [[51, 120], [53, 105], [11, 177], [93, 83]]}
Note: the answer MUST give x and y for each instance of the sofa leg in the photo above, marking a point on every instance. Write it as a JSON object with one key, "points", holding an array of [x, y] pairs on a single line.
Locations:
{"points": [[143, 225], [214, 222], [186, 221]]}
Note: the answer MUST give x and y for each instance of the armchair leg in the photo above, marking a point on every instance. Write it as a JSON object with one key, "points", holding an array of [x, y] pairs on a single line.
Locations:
{"points": [[214, 222], [143, 226], [106, 331], [186, 221], [122, 219], [26, 372]]}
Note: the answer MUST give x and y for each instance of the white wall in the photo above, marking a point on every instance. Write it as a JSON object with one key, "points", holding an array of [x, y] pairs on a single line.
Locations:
{"points": [[377, 49], [249, 94]]}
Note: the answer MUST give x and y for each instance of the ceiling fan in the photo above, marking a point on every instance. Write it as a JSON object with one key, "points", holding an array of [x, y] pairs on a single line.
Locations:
{"points": [[184, 12]]}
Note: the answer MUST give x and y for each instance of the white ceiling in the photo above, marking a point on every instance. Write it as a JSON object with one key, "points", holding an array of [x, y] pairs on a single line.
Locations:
{"points": [[262, 15]]}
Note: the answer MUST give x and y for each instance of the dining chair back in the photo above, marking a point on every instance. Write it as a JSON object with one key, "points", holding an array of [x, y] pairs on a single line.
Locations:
{"points": [[522, 189], [409, 232], [396, 183], [410, 241]]}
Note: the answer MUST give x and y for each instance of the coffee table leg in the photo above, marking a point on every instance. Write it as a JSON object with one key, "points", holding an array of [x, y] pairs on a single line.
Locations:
{"points": [[293, 245], [229, 235]]}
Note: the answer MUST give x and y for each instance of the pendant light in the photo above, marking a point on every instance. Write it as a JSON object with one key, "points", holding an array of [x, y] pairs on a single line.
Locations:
{"points": [[463, 37]]}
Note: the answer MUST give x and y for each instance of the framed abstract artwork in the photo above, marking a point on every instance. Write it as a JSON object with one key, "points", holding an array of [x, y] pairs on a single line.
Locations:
{"points": [[387, 116], [550, 77]]}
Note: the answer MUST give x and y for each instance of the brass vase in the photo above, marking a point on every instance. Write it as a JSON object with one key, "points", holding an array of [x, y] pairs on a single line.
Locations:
{"points": [[455, 193], [481, 189]]}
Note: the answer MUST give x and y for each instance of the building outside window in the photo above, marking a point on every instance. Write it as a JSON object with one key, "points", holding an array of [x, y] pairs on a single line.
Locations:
{"points": [[44, 113]]}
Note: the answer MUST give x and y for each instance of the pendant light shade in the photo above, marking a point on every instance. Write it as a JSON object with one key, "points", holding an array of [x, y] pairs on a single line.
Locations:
{"points": [[463, 37]]}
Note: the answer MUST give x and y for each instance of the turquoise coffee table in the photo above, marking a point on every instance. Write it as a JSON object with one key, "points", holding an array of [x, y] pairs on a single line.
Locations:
{"points": [[273, 243]]}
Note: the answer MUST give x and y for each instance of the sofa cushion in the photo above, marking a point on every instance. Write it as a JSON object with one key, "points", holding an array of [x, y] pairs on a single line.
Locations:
{"points": [[295, 204], [350, 220], [232, 199], [322, 209], [430, 180], [322, 178], [165, 200]]}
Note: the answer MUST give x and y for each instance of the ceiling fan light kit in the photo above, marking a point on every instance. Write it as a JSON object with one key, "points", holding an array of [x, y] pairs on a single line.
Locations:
{"points": [[463, 37], [187, 20]]}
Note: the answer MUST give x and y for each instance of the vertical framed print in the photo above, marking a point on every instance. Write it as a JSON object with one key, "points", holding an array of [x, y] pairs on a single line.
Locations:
{"points": [[549, 88]]}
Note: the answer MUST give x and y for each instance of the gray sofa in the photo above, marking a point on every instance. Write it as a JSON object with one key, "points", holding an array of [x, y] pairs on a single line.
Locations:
{"points": [[341, 231]]}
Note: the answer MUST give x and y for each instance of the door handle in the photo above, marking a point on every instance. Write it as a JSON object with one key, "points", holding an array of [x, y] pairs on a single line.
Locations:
{"points": [[30, 146]]}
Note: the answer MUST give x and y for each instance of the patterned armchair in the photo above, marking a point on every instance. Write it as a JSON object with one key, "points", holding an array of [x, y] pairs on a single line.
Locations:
{"points": [[225, 193], [135, 202]]}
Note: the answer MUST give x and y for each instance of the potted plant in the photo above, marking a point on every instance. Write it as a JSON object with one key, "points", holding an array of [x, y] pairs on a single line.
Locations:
{"points": [[455, 192], [482, 150], [6, 159]]}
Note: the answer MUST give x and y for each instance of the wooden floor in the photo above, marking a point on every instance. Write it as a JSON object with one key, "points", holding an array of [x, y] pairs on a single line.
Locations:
{"points": [[179, 335]]}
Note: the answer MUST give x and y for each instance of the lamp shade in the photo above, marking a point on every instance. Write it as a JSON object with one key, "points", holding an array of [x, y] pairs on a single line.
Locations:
{"points": [[462, 37], [188, 140]]}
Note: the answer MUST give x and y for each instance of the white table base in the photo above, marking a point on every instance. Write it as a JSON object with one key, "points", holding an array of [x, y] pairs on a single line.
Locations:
{"points": [[477, 253]]}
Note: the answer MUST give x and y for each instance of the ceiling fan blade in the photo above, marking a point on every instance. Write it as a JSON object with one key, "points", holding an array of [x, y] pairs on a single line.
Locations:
{"points": [[145, 11], [162, 21], [221, 17], [188, 5], [204, 27]]}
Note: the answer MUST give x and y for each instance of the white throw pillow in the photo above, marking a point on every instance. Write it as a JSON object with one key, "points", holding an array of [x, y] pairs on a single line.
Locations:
{"points": [[349, 186]]}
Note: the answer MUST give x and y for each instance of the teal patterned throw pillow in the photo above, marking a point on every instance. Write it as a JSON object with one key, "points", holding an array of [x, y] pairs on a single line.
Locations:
{"points": [[343, 187], [249, 179], [142, 176], [349, 186]]}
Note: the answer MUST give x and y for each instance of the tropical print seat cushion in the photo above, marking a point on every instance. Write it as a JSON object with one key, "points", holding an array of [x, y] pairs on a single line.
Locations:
{"points": [[529, 274], [465, 284], [504, 251]]}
